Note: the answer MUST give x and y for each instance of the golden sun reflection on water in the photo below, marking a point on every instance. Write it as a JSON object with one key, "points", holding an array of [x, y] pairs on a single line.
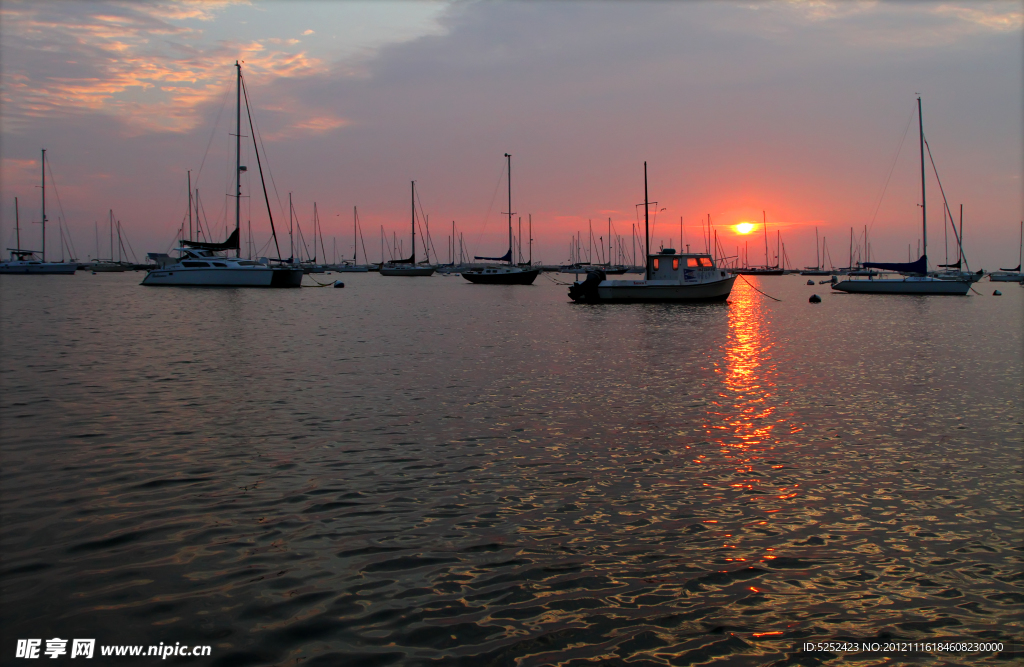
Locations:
{"points": [[744, 411]]}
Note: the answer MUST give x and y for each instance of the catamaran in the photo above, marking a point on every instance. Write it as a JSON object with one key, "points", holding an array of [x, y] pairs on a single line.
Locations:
{"points": [[209, 264], [915, 278], [668, 276]]}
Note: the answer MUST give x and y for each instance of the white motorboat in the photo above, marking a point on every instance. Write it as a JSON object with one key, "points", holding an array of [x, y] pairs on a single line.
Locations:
{"points": [[669, 277], [914, 278]]}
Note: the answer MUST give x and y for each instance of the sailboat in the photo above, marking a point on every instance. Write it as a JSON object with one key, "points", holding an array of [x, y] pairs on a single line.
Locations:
{"points": [[765, 270], [1011, 275], [25, 261], [408, 267], [353, 266], [817, 269], [915, 278], [668, 277], [503, 274], [110, 265], [208, 264]]}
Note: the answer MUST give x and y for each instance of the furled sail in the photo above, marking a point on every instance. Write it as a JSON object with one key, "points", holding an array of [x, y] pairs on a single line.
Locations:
{"points": [[507, 257], [951, 266], [1016, 269], [919, 267], [230, 244]]}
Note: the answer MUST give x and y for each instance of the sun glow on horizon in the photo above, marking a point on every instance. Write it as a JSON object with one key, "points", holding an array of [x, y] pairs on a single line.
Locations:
{"points": [[743, 227]]}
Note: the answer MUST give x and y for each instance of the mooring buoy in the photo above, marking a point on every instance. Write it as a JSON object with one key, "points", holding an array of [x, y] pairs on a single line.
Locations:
{"points": [[810, 282], [338, 283], [997, 293], [815, 298]]}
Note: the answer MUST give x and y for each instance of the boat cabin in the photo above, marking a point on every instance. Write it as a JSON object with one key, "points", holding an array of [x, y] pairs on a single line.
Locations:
{"points": [[681, 267]]}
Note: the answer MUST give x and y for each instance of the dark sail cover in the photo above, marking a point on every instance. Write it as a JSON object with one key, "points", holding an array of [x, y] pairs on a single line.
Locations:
{"points": [[1017, 269], [920, 266], [506, 258], [411, 260], [951, 266], [230, 244]]}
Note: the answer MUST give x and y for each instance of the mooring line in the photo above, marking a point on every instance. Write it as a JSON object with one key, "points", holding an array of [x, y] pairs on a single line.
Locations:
{"points": [[755, 289]]}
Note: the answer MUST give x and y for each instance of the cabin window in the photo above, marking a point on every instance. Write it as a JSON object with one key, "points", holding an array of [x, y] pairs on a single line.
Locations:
{"points": [[221, 264], [656, 263], [195, 265], [245, 263], [706, 261], [675, 264], [691, 261]]}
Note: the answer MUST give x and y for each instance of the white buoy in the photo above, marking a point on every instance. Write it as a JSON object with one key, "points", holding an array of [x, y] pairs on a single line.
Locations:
{"points": [[338, 283], [997, 293], [815, 298]]}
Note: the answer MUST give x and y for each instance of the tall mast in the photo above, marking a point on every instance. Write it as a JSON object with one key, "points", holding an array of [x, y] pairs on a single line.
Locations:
{"points": [[414, 223], [960, 256], [189, 204], [17, 225], [43, 174], [355, 239], [924, 215], [508, 161], [647, 229], [238, 154], [530, 232], [764, 221], [291, 237], [817, 254]]}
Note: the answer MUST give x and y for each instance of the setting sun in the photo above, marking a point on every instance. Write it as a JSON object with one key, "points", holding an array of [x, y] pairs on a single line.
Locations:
{"points": [[744, 227]]}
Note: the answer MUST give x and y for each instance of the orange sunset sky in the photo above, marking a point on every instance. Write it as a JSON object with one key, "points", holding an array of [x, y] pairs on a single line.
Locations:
{"points": [[803, 110]]}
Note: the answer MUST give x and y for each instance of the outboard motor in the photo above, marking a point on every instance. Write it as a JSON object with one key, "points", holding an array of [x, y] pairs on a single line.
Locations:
{"points": [[586, 291]]}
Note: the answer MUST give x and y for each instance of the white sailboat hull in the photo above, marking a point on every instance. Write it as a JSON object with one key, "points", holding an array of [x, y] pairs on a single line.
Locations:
{"points": [[1006, 277], [251, 276], [908, 285], [52, 268]]}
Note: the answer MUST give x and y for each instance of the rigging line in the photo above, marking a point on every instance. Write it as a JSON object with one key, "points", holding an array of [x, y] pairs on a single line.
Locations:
{"points": [[260, 165], [952, 223], [494, 195], [256, 132], [427, 242], [120, 231], [426, 235], [757, 290], [213, 131], [359, 227], [896, 157], [316, 222], [53, 184]]}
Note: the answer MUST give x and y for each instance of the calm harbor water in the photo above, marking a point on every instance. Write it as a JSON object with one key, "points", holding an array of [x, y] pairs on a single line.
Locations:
{"points": [[424, 471]]}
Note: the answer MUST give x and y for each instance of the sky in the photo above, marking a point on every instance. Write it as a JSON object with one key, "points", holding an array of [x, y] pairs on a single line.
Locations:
{"points": [[800, 114]]}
